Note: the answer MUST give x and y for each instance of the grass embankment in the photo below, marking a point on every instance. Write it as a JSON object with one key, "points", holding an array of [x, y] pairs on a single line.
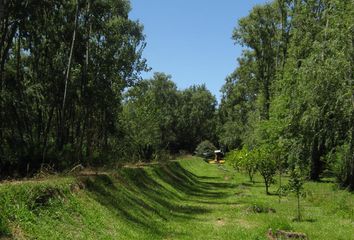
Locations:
{"points": [[188, 199]]}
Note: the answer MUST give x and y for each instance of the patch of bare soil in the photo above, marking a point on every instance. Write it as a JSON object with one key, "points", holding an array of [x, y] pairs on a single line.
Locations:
{"points": [[220, 222], [17, 233], [245, 224]]}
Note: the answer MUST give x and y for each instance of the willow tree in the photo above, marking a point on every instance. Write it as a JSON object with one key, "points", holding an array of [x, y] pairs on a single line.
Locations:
{"points": [[64, 66]]}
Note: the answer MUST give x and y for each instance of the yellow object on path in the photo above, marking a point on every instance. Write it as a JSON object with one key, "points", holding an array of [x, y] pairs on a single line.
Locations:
{"points": [[215, 162]]}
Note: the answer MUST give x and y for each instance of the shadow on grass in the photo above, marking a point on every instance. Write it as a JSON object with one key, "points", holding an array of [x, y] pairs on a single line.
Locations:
{"points": [[189, 183], [145, 196]]}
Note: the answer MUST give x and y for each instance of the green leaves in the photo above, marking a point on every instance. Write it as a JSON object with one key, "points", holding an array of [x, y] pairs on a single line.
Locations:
{"points": [[243, 160], [297, 76], [295, 185], [157, 115], [296, 181], [105, 59], [205, 149]]}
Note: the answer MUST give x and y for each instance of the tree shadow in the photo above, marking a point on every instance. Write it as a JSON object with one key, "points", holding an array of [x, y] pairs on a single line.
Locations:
{"points": [[189, 183], [168, 192]]}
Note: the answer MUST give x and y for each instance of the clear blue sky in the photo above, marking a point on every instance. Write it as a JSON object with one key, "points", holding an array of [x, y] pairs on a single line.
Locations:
{"points": [[191, 39]]}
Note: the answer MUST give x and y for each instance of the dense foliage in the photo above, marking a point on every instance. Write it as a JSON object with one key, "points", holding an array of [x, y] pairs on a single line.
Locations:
{"points": [[205, 149], [294, 87], [71, 90], [158, 117], [64, 65]]}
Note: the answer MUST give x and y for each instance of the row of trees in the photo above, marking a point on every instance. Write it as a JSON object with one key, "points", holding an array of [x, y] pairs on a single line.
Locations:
{"points": [[158, 119], [293, 91], [71, 92], [63, 68]]}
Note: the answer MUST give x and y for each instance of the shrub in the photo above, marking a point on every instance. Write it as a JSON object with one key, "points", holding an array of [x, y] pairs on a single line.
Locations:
{"points": [[205, 149], [243, 160], [266, 165]]}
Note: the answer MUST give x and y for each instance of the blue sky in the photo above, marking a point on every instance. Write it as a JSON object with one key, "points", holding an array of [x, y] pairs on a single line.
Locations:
{"points": [[191, 39]]}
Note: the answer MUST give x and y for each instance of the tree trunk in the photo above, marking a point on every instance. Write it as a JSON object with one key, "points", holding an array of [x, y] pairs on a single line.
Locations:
{"points": [[315, 160], [351, 150], [298, 208], [250, 175], [5, 46], [267, 187], [46, 132], [67, 76], [351, 160], [280, 184]]}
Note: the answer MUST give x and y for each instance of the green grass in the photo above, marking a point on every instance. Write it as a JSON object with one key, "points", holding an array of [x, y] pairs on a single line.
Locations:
{"points": [[187, 199]]}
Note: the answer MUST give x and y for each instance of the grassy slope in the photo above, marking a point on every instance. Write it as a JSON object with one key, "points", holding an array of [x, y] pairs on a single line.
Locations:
{"points": [[188, 199]]}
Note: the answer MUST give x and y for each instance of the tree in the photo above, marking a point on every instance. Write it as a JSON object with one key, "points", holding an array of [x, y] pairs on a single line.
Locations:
{"points": [[196, 117], [51, 116], [296, 185], [243, 160], [238, 102], [259, 32], [266, 165], [205, 149], [150, 116], [297, 75]]}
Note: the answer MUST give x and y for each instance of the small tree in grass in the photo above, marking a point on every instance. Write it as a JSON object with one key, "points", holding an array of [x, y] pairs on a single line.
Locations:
{"points": [[243, 160], [279, 154], [296, 185], [250, 164], [266, 165]]}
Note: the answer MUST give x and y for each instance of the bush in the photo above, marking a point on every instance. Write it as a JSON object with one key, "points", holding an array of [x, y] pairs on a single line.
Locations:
{"points": [[205, 149], [243, 160], [266, 164], [162, 156], [340, 161]]}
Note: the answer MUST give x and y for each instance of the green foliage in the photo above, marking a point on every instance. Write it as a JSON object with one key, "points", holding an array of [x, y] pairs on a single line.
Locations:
{"points": [[148, 116], [261, 159], [294, 84], [243, 160], [196, 117], [62, 76], [339, 161], [296, 182], [158, 118], [266, 164], [296, 185], [205, 149]]}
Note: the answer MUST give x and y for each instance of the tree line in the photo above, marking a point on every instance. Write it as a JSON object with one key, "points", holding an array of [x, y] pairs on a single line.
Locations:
{"points": [[290, 101], [64, 66], [71, 91]]}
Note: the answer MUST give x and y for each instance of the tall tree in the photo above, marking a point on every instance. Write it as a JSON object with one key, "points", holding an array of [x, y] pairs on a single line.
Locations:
{"points": [[64, 66], [196, 117], [302, 66]]}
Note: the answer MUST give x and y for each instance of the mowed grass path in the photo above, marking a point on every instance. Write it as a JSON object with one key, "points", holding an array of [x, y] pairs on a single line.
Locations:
{"points": [[186, 199]]}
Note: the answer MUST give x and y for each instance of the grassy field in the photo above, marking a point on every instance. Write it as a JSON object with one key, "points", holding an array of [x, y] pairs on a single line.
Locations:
{"points": [[187, 199]]}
